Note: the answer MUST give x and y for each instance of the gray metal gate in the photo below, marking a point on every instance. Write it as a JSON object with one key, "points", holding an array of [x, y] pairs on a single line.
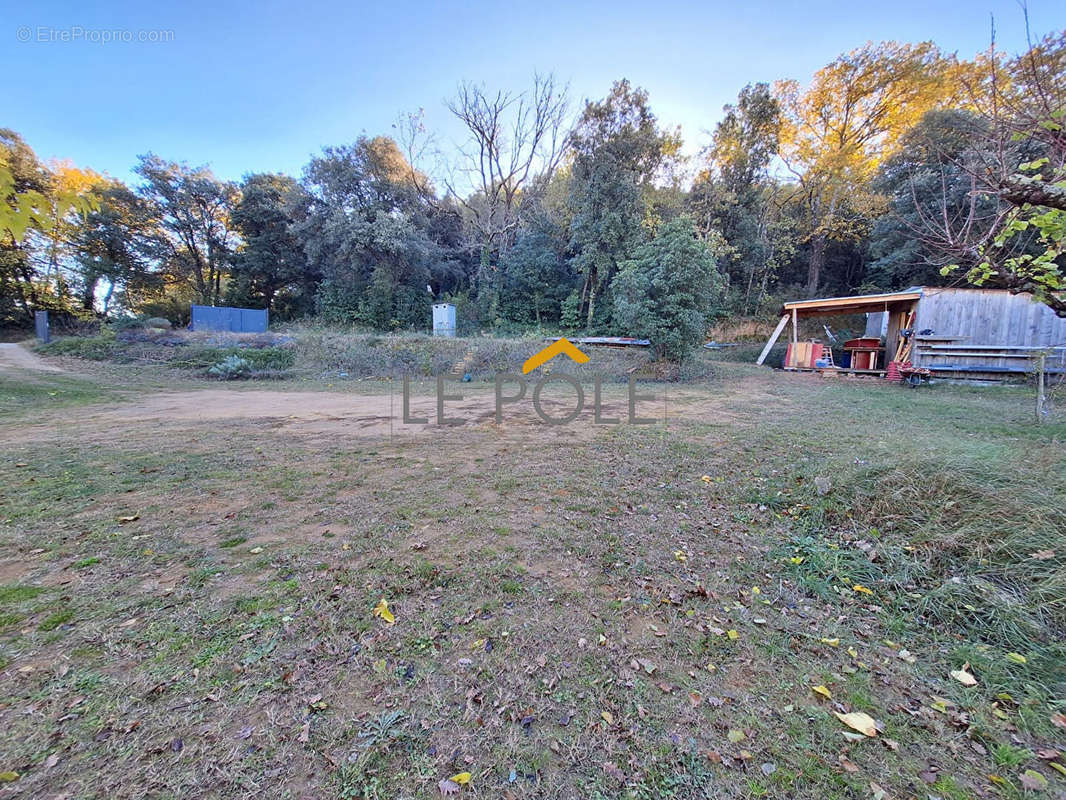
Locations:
{"points": [[227, 318]]}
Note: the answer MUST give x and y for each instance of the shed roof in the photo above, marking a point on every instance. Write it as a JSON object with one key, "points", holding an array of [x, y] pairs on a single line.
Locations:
{"points": [[851, 305]]}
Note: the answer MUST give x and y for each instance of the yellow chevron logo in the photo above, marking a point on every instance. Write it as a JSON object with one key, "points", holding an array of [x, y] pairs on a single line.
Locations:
{"points": [[550, 352]]}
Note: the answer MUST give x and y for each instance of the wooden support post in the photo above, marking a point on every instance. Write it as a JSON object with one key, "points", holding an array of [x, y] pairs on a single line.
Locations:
{"points": [[772, 340], [795, 326], [1041, 397]]}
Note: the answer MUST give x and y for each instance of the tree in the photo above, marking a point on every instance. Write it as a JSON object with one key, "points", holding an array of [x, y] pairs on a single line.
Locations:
{"points": [[1019, 166], [36, 208], [194, 239], [366, 228], [514, 144], [929, 187], [271, 269], [668, 291], [735, 204], [536, 279], [617, 151], [111, 245], [849, 119]]}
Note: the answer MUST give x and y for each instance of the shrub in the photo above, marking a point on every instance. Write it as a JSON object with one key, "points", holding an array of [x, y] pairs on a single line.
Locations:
{"points": [[231, 368], [96, 348]]}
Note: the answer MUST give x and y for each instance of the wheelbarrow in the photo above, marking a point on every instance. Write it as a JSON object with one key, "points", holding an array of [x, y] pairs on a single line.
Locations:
{"points": [[914, 376]]}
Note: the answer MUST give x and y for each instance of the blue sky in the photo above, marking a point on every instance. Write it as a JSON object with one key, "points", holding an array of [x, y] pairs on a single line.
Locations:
{"points": [[262, 87]]}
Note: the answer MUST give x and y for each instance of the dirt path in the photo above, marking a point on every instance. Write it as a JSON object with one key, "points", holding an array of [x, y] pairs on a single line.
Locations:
{"points": [[13, 356]]}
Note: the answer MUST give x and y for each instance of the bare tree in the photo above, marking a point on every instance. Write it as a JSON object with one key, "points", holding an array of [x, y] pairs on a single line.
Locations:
{"points": [[514, 143], [1008, 233]]}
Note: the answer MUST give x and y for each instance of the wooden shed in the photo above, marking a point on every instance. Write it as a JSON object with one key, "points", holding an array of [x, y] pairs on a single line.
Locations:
{"points": [[973, 334]]}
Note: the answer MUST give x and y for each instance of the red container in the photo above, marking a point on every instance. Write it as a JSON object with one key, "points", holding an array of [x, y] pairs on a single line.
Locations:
{"points": [[863, 352]]}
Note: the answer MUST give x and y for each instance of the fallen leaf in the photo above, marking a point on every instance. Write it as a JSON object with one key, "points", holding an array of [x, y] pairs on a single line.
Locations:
{"points": [[964, 677], [1043, 555], [448, 787], [831, 642], [847, 765], [862, 589], [732, 634], [1059, 720], [878, 792], [130, 518], [463, 778], [1059, 768], [940, 704], [735, 736], [768, 768], [1016, 658], [382, 610], [1033, 780], [907, 656], [256, 551], [859, 721], [824, 692], [9, 777], [608, 717]]}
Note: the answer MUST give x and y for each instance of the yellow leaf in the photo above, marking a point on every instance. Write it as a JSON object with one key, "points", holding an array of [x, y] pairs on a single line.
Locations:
{"points": [[463, 778], [710, 667], [608, 717], [963, 677], [756, 590], [859, 588], [382, 610], [705, 478], [735, 736], [680, 555], [732, 634], [859, 721], [824, 692], [853, 652], [1016, 658], [1055, 765], [831, 642], [796, 560], [940, 704], [9, 777]]}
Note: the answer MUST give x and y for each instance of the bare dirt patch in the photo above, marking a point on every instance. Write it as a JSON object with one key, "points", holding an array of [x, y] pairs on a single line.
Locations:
{"points": [[16, 357]]}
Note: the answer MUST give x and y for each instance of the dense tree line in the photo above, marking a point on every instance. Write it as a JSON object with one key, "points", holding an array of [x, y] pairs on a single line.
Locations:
{"points": [[896, 165]]}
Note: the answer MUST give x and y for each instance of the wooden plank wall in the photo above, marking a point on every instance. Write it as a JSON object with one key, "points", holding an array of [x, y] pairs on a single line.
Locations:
{"points": [[988, 317]]}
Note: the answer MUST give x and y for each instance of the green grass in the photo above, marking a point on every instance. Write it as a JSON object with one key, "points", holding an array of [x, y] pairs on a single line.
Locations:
{"points": [[535, 586], [39, 394]]}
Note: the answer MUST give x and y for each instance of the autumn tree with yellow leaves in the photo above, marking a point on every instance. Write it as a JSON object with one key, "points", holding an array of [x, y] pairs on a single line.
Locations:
{"points": [[838, 130]]}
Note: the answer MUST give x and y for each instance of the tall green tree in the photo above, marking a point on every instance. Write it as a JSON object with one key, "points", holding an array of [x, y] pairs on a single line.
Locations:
{"points": [[668, 291], [617, 150], [733, 197], [367, 228], [271, 268], [194, 238]]}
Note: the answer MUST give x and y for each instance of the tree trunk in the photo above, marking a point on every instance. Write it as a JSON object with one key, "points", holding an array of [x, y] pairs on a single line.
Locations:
{"points": [[817, 261]]}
